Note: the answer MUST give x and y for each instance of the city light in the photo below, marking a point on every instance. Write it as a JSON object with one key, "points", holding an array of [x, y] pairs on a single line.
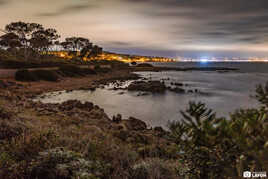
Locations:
{"points": [[113, 56]]}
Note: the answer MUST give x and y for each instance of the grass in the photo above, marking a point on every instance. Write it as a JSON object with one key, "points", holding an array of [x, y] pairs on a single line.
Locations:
{"points": [[64, 145], [53, 75]]}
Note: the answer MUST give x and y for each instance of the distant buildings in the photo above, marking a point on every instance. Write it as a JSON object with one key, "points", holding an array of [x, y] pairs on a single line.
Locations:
{"points": [[113, 56]]}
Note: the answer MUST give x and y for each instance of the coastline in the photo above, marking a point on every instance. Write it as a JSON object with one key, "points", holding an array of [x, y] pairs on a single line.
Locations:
{"points": [[74, 123]]}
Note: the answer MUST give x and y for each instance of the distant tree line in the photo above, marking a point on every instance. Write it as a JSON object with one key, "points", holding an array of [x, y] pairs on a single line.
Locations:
{"points": [[33, 39]]}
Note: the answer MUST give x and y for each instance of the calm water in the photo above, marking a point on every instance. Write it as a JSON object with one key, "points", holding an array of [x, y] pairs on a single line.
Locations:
{"points": [[224, 92]]}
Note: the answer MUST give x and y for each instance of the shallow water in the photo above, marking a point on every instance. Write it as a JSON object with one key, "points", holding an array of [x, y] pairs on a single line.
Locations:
{"points": [[224, 92]]}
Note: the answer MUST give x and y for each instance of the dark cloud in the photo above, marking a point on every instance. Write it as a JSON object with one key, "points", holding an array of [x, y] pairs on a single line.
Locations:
{"points": [[160, 26], [3, 2]]}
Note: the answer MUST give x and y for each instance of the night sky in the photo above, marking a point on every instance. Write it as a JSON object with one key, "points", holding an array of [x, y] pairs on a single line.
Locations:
{"points": [[190, 28]]}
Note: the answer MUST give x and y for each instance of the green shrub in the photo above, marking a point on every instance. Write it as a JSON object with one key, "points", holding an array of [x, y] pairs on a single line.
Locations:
{"points": [[25, 75], [144, 65], [74, 71], [216, 147], [152, 168], [60, 163], [46, 75]]}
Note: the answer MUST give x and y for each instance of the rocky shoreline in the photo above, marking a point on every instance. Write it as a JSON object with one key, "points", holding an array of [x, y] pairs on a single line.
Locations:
{"points": [[73, 123]]}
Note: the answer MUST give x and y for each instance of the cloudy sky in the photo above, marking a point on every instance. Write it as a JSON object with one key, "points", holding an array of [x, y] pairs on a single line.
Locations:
{"points": [[192, 28]]}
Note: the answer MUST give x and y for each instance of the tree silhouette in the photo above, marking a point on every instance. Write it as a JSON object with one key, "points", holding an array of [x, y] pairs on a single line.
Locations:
{"points": [[43, 39], [24, 33], [10, 40]]}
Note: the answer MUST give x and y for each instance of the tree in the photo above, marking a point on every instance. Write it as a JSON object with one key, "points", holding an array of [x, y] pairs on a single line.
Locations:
{"points": [[77, 43], [96, 50], [23, 30], [10, 40], [41, 40], [24, 33]]}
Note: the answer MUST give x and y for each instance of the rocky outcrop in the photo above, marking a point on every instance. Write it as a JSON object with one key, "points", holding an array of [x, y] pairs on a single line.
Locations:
{"points": [[71, 104], [177, 90], [135, 124], [150, 86]]}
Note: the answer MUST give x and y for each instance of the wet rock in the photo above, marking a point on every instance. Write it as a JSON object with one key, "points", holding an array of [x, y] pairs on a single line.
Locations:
{"points": [[135, 124], [150, 86], [178, 84], [68, 91], [143, 94], [91, 88], [178, 90], [117, 118]]}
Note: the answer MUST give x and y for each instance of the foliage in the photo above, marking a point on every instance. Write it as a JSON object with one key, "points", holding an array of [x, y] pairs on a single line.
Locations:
{"points": [[60, 163], [25, 75], [214, 147], [144, 65], [46, 75], [72, 70], [154, 168], [35, 40]]}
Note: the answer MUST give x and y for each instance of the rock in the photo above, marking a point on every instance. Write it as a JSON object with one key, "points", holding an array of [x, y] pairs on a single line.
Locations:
{"points": [[71, 104], [92, 88], [159, 129], [143, 94], [123, 135], [68, 91], [117, 118], [178, 84], [150, 86], [135, 124], [178, 90]]}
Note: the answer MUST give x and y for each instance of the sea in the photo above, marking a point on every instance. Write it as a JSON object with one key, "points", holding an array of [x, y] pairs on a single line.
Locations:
{"points": [[224, 93]]}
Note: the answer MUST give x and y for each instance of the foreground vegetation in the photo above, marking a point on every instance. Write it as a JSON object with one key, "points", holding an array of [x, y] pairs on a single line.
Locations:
{"points": [[223, 148], [75, 140]]}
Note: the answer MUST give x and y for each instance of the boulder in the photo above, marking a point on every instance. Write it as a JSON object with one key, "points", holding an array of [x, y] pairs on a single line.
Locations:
{"points": [[71, 104], [135, 124], [117, 118], [150, 86], [177, 90]]}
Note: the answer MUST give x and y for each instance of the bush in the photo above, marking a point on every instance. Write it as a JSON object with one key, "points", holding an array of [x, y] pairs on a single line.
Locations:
{"points": [[25, 75], [219, 148], [145, 65], [133, 63], [60, 163], [153, 168], [47, 75], [102, 70], [73, 71]]}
